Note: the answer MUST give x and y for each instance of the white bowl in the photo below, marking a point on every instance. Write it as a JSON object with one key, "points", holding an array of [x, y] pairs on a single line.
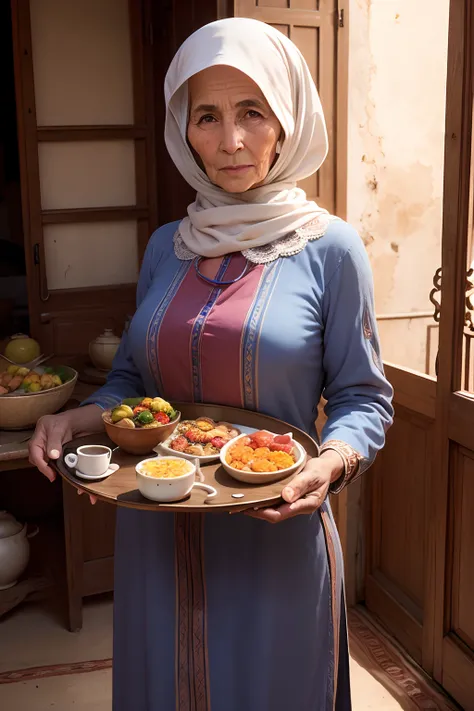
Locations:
{"points": [[261, 477], [165, 490]]}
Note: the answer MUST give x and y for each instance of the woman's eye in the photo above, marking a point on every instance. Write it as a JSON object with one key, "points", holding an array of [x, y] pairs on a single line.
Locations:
{"points": [[208, 118], [253, 114]]}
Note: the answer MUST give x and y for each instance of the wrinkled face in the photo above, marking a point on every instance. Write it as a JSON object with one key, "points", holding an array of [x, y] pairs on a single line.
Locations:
{"points": [[231, 128]]}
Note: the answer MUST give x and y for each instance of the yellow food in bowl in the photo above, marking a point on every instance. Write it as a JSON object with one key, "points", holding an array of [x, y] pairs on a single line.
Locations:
{"points": [[166, 468]]}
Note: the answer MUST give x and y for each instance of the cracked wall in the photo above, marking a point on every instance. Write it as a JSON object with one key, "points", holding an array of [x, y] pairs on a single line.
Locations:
{"points": [[397, 84]]}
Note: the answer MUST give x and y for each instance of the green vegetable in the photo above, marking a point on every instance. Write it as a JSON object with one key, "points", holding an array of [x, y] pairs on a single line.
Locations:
{"points": [[145, 417], [132, 401]]}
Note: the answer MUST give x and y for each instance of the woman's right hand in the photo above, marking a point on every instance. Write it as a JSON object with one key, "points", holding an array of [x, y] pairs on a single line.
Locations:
{"points": [[53, 431]]}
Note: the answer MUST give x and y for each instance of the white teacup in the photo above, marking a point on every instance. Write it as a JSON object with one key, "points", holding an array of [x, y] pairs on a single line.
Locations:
{"points": [[90, 459]]}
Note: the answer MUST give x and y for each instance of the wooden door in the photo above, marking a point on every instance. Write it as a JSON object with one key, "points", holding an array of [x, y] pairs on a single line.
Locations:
{"points": [[450, 503], [420, 532], [86, 145], [312, 25], [172, 22]]}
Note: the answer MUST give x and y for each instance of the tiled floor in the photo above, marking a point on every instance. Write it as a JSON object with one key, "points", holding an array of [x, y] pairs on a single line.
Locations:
{"points": [[53, 670]]}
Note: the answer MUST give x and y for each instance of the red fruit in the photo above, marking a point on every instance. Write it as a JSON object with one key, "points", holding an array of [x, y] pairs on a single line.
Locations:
{"points": [[179, 444], [138, 409], [261, 439], [161, 417], [275, 447], [217, 442], [283, 439]]}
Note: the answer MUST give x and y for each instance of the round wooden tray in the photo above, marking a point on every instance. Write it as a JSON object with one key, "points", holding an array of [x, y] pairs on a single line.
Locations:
{"points": [[120, 488]]}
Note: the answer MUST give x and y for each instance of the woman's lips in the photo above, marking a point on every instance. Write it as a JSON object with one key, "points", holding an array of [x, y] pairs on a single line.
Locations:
{"points": [[237, 168]]}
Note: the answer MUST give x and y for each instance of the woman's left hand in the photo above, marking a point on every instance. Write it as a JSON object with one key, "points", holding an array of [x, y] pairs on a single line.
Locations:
{"points": [[307, 491]]}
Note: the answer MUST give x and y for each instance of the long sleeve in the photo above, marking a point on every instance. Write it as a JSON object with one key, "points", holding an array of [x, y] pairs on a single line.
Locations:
{"points": [[124, 380], [358, 395]]}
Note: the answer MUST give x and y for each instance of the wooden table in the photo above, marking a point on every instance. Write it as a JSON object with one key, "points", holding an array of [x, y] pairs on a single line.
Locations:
{"points": [[88, 531]]}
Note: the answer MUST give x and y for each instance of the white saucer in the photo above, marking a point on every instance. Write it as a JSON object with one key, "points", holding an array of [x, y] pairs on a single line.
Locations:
{"points": [[93, 477]]}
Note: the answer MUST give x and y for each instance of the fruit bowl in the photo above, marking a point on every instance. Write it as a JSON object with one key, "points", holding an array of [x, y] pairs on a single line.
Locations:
{"points": [[138, 440], [19, 410]]}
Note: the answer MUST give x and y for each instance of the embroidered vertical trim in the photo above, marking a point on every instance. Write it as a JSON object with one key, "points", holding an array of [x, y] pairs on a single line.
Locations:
{"points": [[198, 329], [251, 334], [156, 320], [183, 660], [335, 607], [367, 325], [199, 617], [369, 335], [192, 667]]}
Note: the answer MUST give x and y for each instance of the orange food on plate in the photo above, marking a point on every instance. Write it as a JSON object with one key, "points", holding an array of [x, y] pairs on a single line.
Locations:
{"points": [[263, 465], [281, 459], [237, 465], [262, 452]]}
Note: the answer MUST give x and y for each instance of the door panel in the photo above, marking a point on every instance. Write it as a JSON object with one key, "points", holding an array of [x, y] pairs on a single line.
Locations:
{"points": [[88, 193], [396, 515], [462, 549], [312, 26], [403, 500]]}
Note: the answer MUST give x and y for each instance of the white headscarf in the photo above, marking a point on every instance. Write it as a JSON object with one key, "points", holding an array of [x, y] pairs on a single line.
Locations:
{"points": [[218, 222]]}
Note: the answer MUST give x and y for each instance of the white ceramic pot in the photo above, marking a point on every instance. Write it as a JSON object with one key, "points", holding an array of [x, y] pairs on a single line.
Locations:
{"points": [[168, 490], [14, 549], [103, 349]]}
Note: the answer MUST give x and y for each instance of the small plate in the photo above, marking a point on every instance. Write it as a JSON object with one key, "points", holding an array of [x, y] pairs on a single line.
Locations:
{"points": [[165, 450], [89, 477]]}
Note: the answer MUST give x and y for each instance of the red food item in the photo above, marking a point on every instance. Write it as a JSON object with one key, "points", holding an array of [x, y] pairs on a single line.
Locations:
{"points": [[276, 447], [283, 439], [179, 444], [261, 439], [161, 417], [217, 442], [138, 409], [196, 436]]}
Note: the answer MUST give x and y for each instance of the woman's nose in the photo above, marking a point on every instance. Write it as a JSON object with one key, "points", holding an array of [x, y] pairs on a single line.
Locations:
{"points": [[232, 138]]}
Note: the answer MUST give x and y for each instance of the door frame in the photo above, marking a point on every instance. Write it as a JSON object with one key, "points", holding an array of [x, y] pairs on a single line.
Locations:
{"points": [[449, 400], [439, 408]]}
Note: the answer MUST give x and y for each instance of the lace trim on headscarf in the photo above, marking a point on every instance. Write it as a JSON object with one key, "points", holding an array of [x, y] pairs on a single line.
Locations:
{"points": [[287, 246]]}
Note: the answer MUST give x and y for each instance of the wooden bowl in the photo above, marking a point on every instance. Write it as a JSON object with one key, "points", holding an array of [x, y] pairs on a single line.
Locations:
{"points": [[138, 440], [19, 412]]}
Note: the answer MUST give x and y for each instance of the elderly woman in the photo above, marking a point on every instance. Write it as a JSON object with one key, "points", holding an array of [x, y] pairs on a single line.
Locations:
{"points": [[257, 299]]}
